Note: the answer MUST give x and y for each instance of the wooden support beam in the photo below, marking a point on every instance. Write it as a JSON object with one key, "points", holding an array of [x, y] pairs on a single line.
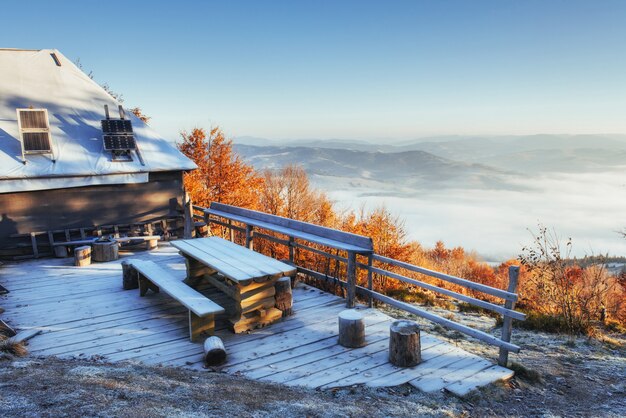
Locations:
{"points": [[284, 296], [199, 325]]}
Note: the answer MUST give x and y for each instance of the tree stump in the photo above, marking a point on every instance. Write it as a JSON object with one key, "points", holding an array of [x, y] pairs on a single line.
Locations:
{"points": [[404, 344], [202, 229], [60, 251], [284, 298], [214, 351], [130, 278], [152, 244], [351, 329], [105, 251], [82, 256]]}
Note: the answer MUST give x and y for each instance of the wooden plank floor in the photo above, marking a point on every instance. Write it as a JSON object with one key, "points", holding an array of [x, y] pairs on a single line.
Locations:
{"points": [[83, 312]]}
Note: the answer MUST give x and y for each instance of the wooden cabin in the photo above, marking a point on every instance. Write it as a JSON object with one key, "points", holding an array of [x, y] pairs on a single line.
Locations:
{"points": [[66, 173]]}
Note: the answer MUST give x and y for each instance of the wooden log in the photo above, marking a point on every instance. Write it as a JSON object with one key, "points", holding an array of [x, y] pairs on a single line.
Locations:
{"points": [[130, 278], [351, 329], [82, 256], [214, 351], [256, 304], [24, 335], [284, 297], [60, 251], [404, 344], [151, 244], [254, 320], [105, 251]]}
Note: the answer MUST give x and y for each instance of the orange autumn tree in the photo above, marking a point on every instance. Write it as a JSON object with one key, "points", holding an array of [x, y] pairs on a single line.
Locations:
{"points": [[139, 113], [222, 176]]}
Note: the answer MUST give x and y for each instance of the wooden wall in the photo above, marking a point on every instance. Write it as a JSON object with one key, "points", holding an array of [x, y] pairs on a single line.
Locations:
{"points": [[82, 207]]}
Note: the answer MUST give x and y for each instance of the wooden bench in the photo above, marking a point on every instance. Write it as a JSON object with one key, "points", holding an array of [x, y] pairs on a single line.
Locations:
{"points": [[246, 277], [202, 310], [61, 249], [352, 244]]}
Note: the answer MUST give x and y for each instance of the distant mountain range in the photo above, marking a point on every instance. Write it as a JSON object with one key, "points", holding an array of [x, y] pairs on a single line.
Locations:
{"points": [[436, 162]]}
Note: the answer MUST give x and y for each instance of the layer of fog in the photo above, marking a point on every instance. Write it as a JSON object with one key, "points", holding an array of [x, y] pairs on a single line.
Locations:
{"points": [[590, 208]]}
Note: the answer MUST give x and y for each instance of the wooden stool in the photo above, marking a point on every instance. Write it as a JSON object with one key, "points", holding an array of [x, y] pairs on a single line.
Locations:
{"points": [[351, 329], [404, 344], [284, 297], [60, 251], [82, 256], [105, 251]]}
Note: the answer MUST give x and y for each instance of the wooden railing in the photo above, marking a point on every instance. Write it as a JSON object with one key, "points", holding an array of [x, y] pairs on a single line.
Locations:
{"points": [[509, 296]]}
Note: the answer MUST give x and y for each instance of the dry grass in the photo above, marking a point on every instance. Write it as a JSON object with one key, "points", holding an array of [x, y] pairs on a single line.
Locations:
{"points": [[612, 325], [524, 373], [612, 343]]}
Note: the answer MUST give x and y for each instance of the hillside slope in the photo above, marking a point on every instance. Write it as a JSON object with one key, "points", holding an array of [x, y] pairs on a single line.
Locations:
{"points": [[408, 169]]}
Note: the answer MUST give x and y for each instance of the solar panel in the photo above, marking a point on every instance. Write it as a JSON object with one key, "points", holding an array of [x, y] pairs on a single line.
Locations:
{"points": [[33, 119], [117, 126], [36, 142], [34, 131], [119, 142]]}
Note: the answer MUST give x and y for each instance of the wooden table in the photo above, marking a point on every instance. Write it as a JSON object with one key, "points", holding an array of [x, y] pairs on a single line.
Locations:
{"points": [[247, 277]]}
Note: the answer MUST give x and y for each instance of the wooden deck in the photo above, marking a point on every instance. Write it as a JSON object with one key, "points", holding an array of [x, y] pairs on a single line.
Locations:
{"points": [[83, 312]]}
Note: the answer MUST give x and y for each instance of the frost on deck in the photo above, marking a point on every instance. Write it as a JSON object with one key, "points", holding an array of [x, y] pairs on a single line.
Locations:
{"points": [[83, 312]]}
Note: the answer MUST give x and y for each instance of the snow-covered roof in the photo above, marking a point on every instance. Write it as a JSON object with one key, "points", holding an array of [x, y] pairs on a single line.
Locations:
{"points": [[75, 104]]}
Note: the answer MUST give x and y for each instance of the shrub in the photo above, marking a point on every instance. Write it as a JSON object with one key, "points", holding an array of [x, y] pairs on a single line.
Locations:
{"points": [[557, 287], [536, 321], [419, 297], [469, 308]]}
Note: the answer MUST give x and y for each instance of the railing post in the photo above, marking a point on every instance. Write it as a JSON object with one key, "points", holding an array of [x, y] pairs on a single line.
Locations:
{"points": [[370, 283], [351, 294], [291, 252], [231, 231], [188, 216], [207, 222], [507, 323], [249, 237]]}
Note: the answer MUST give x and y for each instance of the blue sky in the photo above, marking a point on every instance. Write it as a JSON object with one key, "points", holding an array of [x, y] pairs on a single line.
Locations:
{"points": [[347, 69]]}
